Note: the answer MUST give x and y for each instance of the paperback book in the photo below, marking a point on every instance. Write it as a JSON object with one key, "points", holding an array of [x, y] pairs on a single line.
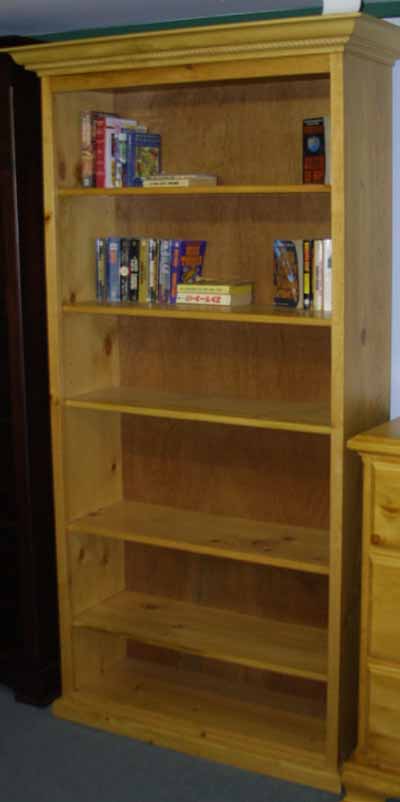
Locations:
{"points": [[316, 150]]}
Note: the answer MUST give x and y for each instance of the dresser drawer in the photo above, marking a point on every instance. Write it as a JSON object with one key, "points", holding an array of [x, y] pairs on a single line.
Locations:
{"points": [[386, 506], [384, 640], [384, 706]]}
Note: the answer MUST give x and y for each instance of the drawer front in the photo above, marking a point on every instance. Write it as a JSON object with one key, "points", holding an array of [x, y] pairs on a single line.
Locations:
{"points": [[384, 642], [384, 705], [386, 506]]}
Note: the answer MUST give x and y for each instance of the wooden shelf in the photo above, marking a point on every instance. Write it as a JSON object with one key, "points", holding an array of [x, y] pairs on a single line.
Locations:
{"points": [[243, 314], [291, 547], [298, 417], [261, 189], [160, 704], [278, 646]]}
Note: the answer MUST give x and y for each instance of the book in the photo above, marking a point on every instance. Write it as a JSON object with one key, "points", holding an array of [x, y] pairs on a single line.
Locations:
{"points": [[107, 130], [179, 180], [307, 273], [288, 273], [88, 146], [113, 251], [143, 156], [144, 270], [134, 254], [100, 269], [224, 286], [214, 298], [318, 275], [187, 259], [124, 268], [327, 280], [164, 270], [316, 150], [152, 294]]}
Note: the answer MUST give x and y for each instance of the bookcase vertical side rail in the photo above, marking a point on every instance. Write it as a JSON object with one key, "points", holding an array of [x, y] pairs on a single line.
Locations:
{"points": [[337, 412], [54, 325], [363, 692], [366, 348]]}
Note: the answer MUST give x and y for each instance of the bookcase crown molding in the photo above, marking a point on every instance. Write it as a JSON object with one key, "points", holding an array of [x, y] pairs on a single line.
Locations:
{"points": [[358, 33]]}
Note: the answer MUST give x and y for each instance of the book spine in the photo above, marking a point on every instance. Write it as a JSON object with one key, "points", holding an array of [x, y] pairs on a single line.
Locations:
{"points": [[327, 250], [230, 289], [113, 269], [317, 275], [124, 269], [307, 273], [212, 299], [153, 271], [130, 157], [100, 269], [100, 125], [314, 150], [134, 269], [143, 270], [175, 270], [87, 156], [164, 270]]}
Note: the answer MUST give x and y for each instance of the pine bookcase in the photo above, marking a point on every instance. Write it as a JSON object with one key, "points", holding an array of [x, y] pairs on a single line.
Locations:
{"points": [[208, 513]]}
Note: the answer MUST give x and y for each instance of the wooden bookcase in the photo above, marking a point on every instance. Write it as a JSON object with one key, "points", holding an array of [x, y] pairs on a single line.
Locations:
{"points": [[208, 514]]}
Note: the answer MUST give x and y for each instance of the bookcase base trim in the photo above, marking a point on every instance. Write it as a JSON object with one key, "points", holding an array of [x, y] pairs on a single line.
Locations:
{"points": [[364, 782], [79, 708]]}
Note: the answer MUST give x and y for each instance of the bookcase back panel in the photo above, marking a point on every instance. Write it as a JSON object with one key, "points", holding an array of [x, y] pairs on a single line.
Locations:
{"points": [[276, 593], [244, 131], [259, 474], [210, 358], [80, 221], [93, 464], [290, 693], [96, 339], [67, 108], [239, 230]]}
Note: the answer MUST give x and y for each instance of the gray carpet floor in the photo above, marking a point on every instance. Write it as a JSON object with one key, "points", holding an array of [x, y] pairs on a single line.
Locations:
{"points": [[44, 759]]}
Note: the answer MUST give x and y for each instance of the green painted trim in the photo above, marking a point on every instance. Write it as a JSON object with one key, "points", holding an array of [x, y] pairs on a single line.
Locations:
{"points": [[388, 9], [391, 8], [180, 23]]}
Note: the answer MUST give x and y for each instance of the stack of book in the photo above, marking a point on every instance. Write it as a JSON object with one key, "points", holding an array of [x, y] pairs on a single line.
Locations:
{"points": [[216, 292], [146, 269], [117, 152], [303, 274]]}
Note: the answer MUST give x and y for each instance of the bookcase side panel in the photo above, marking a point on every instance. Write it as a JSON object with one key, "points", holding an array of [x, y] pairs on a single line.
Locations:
{"points": [[360, 335], [56, 379]]}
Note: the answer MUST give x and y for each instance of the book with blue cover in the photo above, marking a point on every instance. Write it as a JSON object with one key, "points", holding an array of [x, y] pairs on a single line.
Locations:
{"points": [[143, 156]]}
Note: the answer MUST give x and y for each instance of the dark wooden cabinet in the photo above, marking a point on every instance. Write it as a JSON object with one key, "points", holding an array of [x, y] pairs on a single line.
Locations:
{"points": [[28, 602]]}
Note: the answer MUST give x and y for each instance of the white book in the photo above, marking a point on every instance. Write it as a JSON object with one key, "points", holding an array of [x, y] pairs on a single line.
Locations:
{"points": [[318, 275], [327, 251], [179, 180], [214, 299]]}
